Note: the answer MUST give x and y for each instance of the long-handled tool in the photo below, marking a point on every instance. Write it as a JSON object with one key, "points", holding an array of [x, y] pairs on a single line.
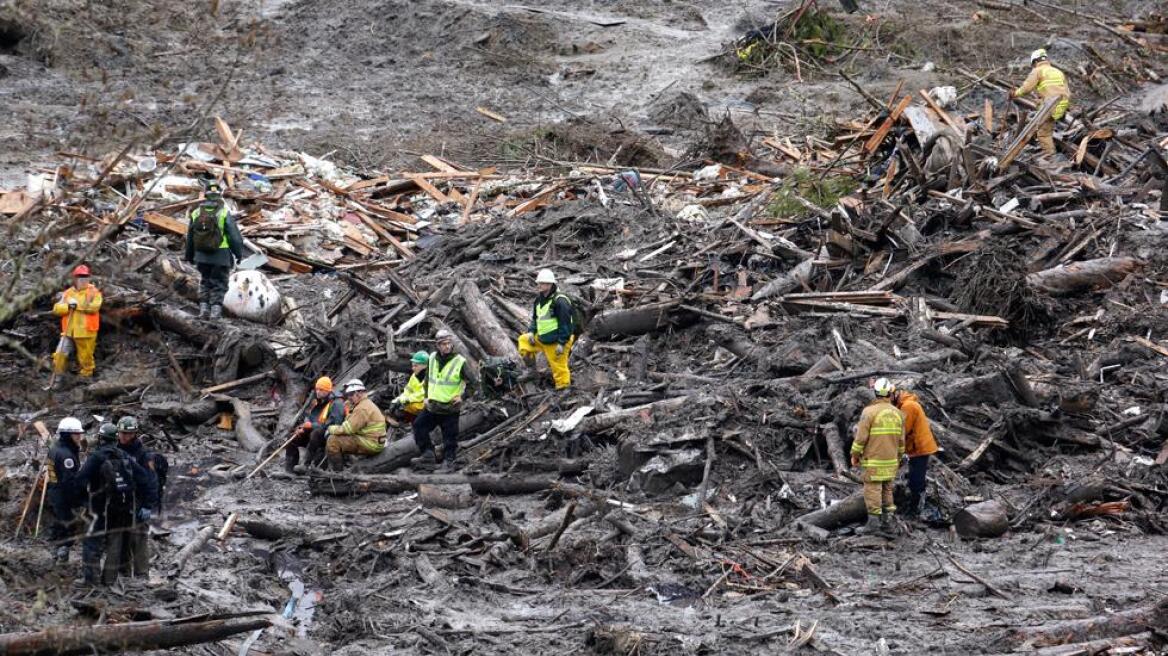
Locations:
{"points": [[275, 452], [61, 347], [41, 510], [28, 503]]}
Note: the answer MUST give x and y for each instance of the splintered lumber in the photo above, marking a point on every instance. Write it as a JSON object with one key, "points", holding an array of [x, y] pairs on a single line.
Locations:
{"points": [[130, 636], [877, 138], [1084, 276], [344, 486], [793, 279], [483, 323], [835, 448], [607, 420], [850, 510], [987, 519], [1027, 133], [1123, 623], [194, 546], [633, 321]]}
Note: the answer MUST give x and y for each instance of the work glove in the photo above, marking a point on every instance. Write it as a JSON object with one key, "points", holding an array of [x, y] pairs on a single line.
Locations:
{"points": [[855, 461], [531, 338], [559, 349], [144, 515], [72, 304]]}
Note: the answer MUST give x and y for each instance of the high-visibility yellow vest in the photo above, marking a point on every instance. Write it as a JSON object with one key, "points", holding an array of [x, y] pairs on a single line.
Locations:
{"points": [[546, 322], [1049, 76], [415, 392], [442, 385]]}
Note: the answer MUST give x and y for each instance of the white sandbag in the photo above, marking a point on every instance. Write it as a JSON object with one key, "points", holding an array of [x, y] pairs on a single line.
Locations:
{"points": [[251, 296]]}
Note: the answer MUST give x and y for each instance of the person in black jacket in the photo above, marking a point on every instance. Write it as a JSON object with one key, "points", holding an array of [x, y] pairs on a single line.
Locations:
{"points": [[120, 492], [134, 559], [327, 409], [61, 466], [214, 245]]}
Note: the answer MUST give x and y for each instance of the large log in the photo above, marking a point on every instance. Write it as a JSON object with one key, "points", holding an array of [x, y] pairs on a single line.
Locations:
{"points": [[195, 412], [183, 324], [835, 448], [484, 324], [850, 510], [788, 282], [791, 361], [607, 420], [992, 388], [295, 392], [987, 519], [1084, 276], [1123, 623], [130, 636], [245, 431], [633, 321], [343, 486], [397, 454]]}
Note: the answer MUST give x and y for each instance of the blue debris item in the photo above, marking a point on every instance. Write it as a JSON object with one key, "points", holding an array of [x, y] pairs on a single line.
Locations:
{"points": [[626, 180]]}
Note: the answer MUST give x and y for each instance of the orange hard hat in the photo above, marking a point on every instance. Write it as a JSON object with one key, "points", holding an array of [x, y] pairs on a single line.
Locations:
{"points": [[81, 271], [324, 384]]}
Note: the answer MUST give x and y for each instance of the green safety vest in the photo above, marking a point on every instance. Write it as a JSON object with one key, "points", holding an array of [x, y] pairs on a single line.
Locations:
{"points": [[546, 322], [222, 223], [442, 385]]}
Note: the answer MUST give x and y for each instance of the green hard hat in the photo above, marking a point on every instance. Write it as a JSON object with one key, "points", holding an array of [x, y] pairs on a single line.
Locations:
{"points": [[420, 358], [107, 432], [128, 425]]}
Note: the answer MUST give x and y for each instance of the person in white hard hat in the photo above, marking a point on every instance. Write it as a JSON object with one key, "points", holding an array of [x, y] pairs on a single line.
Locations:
{"points": [[363, 431], [447, 378], [877, 449], [61, 466], [553, 330], [1049, 82]]}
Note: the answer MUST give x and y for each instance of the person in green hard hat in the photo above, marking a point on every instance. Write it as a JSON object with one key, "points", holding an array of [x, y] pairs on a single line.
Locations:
{"points": [[412, 400]]}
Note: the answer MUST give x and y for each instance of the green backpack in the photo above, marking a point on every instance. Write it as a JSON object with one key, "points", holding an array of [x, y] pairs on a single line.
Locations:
{"points": [[206, 234]]}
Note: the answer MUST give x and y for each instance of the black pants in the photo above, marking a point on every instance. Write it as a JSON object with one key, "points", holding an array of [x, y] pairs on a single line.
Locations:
{"points": [[313, 440], [212, 282], [918, 470], [63, 530], [425, 424], [107, 535]]}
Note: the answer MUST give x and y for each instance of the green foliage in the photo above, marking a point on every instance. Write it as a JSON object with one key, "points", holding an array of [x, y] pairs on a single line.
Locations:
{"points": [[823, 193]]}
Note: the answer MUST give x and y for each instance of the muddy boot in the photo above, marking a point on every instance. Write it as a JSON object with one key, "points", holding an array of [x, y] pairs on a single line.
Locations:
{"points": [[217, 311], [888, 524], [426, 461], [291, 458], [871, 528], [914, 504], [315, 458], [447, 467], [203, 310], [336, 462]]}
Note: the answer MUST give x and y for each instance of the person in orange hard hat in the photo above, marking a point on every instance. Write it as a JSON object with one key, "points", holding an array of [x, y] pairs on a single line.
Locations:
{"points": [[327, 409], [79, 308]]}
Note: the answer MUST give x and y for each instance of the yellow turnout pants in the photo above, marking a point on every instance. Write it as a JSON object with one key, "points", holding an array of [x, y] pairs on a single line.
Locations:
{"points": [[84, 346], [557, 363]]}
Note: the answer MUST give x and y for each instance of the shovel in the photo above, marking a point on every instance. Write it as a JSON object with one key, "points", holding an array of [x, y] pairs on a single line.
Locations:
{"points": [[254, 261]]}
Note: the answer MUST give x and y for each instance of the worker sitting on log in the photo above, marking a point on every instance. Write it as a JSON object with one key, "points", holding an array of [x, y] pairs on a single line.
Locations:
{"points": [[412, 400], [327, 409], [551, 330], [213, 244], [361, 433], [1050, 82], [919, 444], [135, 556], [61, 467], [447, 378], [877, 448], [79, 309]]}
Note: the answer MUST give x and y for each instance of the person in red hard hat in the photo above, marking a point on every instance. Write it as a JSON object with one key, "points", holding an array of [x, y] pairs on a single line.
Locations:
{"points": [[78, 308]]}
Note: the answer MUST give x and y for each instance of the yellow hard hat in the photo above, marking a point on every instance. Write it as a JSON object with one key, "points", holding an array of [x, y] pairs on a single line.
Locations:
{"points": [[1038, 55], [324, 384]]}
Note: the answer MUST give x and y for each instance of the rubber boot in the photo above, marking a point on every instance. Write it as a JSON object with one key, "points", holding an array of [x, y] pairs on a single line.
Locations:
{"points": [[427, 460], [60, 362], [447, 467], [336, 462], [315, 457], [203, 310], [217, 311], [872, 527], [888, 523], [291, 458]]}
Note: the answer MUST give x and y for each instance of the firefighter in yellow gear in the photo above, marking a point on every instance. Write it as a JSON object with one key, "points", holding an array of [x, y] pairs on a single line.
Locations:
{"points": [[877, 449], [1049, 82], [78, 308], [551, 330], [362, 433]]}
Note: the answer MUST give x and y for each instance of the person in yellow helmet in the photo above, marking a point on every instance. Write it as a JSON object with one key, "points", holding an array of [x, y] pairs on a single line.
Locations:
{"points": [[79, 308], [877, 449], [327, 409], [1049, 82]]}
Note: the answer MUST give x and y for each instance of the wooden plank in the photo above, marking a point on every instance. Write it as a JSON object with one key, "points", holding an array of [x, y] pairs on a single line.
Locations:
{"points": [[491, 115], [365, 184], [14, 201], [430, 189], [441, 164], [1027, 133], [222, 387], [988, 111], [165, 223], [228, 141], [943, 114], [474, 197]]}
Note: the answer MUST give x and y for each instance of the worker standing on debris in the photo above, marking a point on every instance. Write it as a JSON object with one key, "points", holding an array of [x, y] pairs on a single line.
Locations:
{"points": [[412, 400], [79, 309], [120, 492], [363, 430], [551, 329], [213, 245], [135, 556], [61, 466], [919, 445], [326, 410], [1050, 82], [877, 448], [447, 376]]}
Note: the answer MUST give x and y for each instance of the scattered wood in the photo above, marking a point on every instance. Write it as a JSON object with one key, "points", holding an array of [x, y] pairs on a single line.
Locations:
{"points": [[130, 636]]}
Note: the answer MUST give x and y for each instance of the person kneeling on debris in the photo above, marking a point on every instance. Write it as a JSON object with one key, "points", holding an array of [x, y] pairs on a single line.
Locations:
{"points": [[327, 410], [79, 309], [135, 556], [877, 448], [120, 492], [412, 400], [919, 445], [1050, 82], [447, 377], [61, 467], [551, 330], [213, 244], [361, 433]]}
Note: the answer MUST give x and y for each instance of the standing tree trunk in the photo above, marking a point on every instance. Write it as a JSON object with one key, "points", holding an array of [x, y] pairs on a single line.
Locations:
{"points": [[484, 324]]}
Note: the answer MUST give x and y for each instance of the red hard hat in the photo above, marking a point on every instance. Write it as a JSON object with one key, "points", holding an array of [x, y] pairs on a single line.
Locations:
{"points": [[81, 271]]}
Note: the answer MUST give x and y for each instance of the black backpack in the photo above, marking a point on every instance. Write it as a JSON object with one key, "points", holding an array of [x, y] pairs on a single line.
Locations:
{"points": [[205, 233], [579, 316], [117, 482], [499, 376]]}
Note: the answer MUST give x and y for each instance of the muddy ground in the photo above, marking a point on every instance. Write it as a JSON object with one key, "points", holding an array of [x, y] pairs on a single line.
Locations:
{"points": [[374, 85]]}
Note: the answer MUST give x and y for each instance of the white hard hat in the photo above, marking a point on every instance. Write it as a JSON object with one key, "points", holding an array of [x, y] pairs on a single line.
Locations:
{"points": [[546, 276], [354, 385], [443, 334], [883, 387], [1037, 54], [70, 425]]}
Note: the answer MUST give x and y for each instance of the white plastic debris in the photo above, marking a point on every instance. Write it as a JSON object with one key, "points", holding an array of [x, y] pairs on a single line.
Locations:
{"points": [[929, 66], [609, 284], [251, 296], [944, 96], [569, 423], [1133, 411], [710, 172], [1009, 205], [325, 170]]}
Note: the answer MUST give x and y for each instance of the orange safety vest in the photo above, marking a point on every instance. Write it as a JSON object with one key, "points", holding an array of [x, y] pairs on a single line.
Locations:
{"points": [[92, 320]]}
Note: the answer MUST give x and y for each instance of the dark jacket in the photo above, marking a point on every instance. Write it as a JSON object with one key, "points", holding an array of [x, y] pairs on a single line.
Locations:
{"points": [[63, 463], [89, 478], [221, 257], [562, 309], [153, 462], [335, 416]]}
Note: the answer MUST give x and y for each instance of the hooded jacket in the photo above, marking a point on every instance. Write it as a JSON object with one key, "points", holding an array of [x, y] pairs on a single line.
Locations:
{"points": [[918, 437]]}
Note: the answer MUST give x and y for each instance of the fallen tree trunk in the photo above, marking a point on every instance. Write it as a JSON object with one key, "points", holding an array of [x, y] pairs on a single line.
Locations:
{"points": [[397, 454], [792, 361], [1084, 276], [130, 636], [185, 325], [105, 389], [484, 324], [633, 321], [609, 419], [992, 388], [245, 431], [341, 486], [1105, 626], [987, 519], [195, 412], [850, 510], [790, 281], [191, 548]]}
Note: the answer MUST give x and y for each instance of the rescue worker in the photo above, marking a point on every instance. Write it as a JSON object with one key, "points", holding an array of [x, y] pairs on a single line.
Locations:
{"points": [[1050, 82], [363, 430], [135, 555], [410, 402], [919, 444], [79, 309], [213, 244], [120, 492], [327, 409], [877, 449], [551, 330], [61, 466], [447, 377]]}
